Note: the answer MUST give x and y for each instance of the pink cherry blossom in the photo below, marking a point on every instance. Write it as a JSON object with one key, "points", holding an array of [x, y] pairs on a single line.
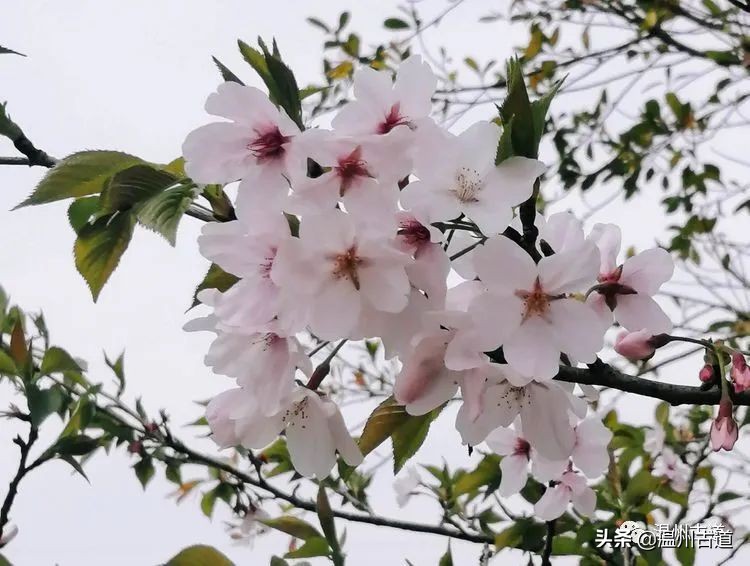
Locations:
{"points": [[516, 452], [635, 345], [670, 466], [315, 429], [256, 141], [459, 176], [543, 409], [333, 269], [382, 107], [724, 431], [628, 289], [246, 248], [572, 487], [740, 373], [539, 320], [590, 451]]}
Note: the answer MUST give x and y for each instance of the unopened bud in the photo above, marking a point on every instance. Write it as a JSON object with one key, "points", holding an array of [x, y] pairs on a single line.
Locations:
{"points": [[635, 345], [706, 373]]}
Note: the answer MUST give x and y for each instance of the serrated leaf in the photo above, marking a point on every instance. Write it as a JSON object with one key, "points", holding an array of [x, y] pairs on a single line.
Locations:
{"points": [[79, 174], [200, 555], [78, 445], [315, 546], [118, 368], [226, 74], [58, 360], [144, 470], [486, 473], [216, 278], [386, 418], [410, 436], [132, 186], [293, 526], [163, 212], [100, 246], [43, 402], [75, 465], [81, 211], [287, 91]]}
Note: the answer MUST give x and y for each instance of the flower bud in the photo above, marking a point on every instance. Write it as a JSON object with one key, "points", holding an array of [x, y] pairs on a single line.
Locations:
{"points": [[635, 345], [724, 430], [706, 373], [740, 373]]}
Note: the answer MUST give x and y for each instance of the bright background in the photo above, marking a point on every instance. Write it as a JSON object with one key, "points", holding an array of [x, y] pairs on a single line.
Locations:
{"points": [[133, 76]]}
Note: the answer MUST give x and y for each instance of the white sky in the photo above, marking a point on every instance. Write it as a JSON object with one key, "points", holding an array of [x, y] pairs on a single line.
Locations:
{"points": [[133, 77]]}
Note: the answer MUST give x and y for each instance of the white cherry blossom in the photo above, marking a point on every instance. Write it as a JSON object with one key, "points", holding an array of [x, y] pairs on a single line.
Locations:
{"points": [[669, 465], [459, 176], [572, 487]]}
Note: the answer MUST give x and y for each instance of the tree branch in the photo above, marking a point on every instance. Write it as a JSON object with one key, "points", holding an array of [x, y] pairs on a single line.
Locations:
{"points": [[20, 473]]}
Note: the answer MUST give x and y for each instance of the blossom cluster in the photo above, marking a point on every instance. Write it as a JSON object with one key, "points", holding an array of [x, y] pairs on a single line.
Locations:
{"points": [[355, 232]]}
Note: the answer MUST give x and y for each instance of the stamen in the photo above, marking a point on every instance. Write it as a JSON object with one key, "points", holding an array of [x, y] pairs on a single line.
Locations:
{"points": [[393, 119], [468, 185], [268, 144], [345, 266], [351, 167]]}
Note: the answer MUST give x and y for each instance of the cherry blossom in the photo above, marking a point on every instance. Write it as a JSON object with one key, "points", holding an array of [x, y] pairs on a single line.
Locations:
{"points": [[706, 373], [590, 451], [669, 465], [540, 321], [740, 373], [334, 269], [315, 429], [724, 431], [459, 176], [572, 487], [255, 142], [654, 441], [635, 346], [627, 289]]}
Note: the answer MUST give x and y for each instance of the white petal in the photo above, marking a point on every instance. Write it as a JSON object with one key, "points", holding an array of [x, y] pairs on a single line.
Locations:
{"points": [[545, 422], [639, 312], [544, 469], [553, 503], [648, 270], [503, 266], [217, 153], [570, 271], [607, 238], [562, 231], [515, 473], [244, 104], [414, 87], [531, 350], [478, 146], [515, 178], [345, 444], [309, 439], [585, 502], [502, 441], [576, 328]]}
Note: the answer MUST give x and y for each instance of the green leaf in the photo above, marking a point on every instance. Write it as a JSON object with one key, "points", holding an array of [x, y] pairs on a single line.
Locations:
{"points": [[216, 278], [58, 360], [505, 145], [118, 367], [75, 465], [524, 534], [395, 23], [386, 418], [286, 87], [562, 546], [486, 473], [640, 487], [80, 417], [293, 526], [662, 413], [276, 561], [79, 445], [81, 211], [163, 212], [517, 107], [132, 186], [144, 470], [43, 402], [200, 555], [315, 546], [226, 74], [208, 501], [79, 174], [99, 247], [7, 365], [19, 350], [685, 554], [447, 558], [539, 109], [4, 561], [410, 436]]}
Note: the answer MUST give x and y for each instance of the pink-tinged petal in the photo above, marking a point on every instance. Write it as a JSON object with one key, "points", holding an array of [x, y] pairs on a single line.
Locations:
{"points": [[532, 350], [429, 272], [441, 389], [501, 404], [395, 330], [255, 430], [490, 214], [562, 231], [553, 503], [218, 415], [515, 473], [593, 432], [478, 146], [576, 328], [437, 201], [604, 316], [249, 304], [357, 118], [591, 460], [637, 312], [414, 87], [472, 391], [347, 448], [545, 422], [370, 202], [490, 329], [585, 502], [570, 271], [314, 196], [295, 272], [648, 270], [335, 310], [373, 87], [502, 441], [544, 469], [309, 439], [385, 287], [262, 191], [607, 238], [331, 232], [503, 266], [217, 153], [243, 104], [420, 368], [514, 179], [464, 264]]}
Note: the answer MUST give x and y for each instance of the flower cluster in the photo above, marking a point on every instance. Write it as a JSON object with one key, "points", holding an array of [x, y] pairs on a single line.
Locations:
{"points": [[353, 233]]}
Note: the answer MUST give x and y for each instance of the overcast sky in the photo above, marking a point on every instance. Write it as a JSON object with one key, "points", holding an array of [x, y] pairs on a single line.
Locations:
{"points": [[133, 76]]}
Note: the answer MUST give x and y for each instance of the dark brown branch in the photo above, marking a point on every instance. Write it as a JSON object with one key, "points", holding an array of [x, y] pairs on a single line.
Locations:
{"points": [[20, 473], [547, 552]]}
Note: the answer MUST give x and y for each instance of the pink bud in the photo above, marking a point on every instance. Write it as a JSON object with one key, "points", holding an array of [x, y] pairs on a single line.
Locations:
{"points": [[724, 430], [706, 373], [740, 373], [635, 345]]}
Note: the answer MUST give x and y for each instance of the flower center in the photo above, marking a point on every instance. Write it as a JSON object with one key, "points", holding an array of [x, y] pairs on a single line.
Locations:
{"points": [[265, 267], [521, 447], [393, 119], [296, 415], [536, 302], [468, 185], [413, 233], [268, 145], [345, 265], [350, 168]]}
